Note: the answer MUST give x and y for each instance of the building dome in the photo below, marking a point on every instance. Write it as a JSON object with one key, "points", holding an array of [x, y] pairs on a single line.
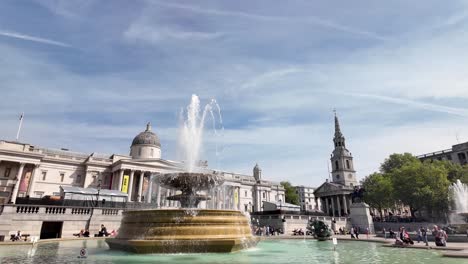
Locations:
{"points": [[146, 137], [146, 145]]}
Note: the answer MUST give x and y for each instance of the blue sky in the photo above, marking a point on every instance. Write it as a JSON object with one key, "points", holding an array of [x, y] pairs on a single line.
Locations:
{"points": [[89, 74]]}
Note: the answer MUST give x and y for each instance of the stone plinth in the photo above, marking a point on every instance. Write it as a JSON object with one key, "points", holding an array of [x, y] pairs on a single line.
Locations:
{"points": [[360, 217], [183, 231]]}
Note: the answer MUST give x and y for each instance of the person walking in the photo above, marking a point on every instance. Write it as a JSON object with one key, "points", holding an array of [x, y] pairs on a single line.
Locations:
{"points": [[420, 234], [424, 236], [352, 232]]}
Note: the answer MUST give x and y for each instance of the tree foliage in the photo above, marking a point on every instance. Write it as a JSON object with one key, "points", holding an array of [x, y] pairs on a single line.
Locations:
{"points": [[379, 191], [290, 193], [422, 185], [397, 161]]}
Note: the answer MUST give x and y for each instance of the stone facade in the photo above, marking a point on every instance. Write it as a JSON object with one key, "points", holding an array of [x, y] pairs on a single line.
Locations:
{"points": [[307, 199], [457, 154], [36, 172]]}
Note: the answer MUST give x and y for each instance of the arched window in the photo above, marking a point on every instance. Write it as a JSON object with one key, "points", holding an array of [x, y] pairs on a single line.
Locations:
{"points": [[337, 167], [139, 151], [152, 152], [347, 164]]}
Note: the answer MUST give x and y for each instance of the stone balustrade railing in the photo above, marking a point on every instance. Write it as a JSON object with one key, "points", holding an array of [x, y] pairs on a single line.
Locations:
{"points": [[56, 210]]}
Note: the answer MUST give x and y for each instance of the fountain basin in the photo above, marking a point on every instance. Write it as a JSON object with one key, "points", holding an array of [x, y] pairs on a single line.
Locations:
{"points": [[183, 231]]}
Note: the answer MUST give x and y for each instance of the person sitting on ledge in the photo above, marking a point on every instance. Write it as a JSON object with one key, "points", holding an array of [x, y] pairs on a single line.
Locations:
{"points": [[103, 231], [86, 233], [17, 236], [404, 236], [80, 234]]}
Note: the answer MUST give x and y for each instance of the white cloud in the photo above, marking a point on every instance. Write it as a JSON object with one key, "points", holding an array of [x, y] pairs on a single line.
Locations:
{"points": [[154, 34], [20, 36]]}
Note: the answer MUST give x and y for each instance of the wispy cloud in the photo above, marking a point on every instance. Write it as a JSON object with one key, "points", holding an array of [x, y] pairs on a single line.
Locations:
{"points": [[155, 34], [417, 104], [20, 36], [309, 19]]}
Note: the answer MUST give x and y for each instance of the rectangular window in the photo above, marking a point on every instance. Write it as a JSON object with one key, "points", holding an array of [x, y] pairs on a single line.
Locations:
{"points": [[78, 178], [7, 172], [62, 177], [264, 196], [44, 174], [38, 194], [246, 195]]}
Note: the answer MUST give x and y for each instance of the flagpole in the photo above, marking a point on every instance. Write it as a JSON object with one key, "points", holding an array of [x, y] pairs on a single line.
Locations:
{"points": [[19, 127]]}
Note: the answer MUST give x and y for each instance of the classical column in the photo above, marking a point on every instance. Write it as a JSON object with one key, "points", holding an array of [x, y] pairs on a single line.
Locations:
{"points": [[14, 194], [33, 180], [333, 205], [166, 201], [130, 185], [327, 206], [140, 186], [158, 199], [345, 206], [121, 173], [150, 189], [339, 206]]}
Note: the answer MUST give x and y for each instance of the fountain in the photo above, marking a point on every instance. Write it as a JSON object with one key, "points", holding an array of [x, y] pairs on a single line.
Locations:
{"points": [[460, 197], [188, 229]]}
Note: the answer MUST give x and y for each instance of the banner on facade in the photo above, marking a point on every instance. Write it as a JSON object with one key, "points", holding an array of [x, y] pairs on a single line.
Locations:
{"points": [[24, 184], [236, 198], [125, 180]]}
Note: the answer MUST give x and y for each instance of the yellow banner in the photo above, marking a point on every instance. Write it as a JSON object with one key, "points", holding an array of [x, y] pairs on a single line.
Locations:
{"points": [[236, 198], [125, 183]]}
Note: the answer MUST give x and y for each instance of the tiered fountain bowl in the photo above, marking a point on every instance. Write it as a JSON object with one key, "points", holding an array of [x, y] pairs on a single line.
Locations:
{"points": [[185, 230]]}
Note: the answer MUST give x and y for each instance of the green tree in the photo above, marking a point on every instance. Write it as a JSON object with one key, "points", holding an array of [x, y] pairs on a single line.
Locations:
{"points": [[455, 171], [378, 191], [421, 185], [396, 161], [290, 193]]}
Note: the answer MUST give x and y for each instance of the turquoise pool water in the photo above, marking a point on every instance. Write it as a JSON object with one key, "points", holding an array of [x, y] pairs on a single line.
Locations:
{"points": [[271, 251]]}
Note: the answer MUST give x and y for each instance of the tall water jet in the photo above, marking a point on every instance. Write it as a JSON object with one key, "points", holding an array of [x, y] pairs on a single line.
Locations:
{"points": [[193, 180], [460, 196], [188, 229]]}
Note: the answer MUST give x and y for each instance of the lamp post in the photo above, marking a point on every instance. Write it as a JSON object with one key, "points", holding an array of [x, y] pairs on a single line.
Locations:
{"points": [[98, 192], [88, 223]]}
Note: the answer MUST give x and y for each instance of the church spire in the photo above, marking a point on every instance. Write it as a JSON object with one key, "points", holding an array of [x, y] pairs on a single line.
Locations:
{"points": [[339, 139]]}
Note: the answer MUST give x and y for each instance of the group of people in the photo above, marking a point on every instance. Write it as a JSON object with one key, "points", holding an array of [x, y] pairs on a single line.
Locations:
{"points": [[82, 233], [266, 231], [403, 238], [298, 232], [354, 232], [17, 236], [102, 232]]}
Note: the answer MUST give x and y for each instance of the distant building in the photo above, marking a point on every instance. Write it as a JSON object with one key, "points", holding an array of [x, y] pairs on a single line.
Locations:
{"points": [[457, 154], [335, 196], [27, 171], [307, 198]]}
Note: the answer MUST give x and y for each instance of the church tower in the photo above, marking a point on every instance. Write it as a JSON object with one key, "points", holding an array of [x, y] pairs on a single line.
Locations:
{"points": [[341, 160]]}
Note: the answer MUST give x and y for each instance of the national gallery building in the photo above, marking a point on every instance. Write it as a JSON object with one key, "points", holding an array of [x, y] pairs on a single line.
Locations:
{"points": [[36, 173]]}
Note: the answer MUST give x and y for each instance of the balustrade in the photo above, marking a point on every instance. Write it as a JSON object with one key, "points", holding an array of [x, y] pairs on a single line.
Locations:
{"points": [[27, 209]]}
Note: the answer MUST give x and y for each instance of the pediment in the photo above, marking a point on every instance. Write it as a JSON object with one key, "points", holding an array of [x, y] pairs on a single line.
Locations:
{"points": [[328, 188]]}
